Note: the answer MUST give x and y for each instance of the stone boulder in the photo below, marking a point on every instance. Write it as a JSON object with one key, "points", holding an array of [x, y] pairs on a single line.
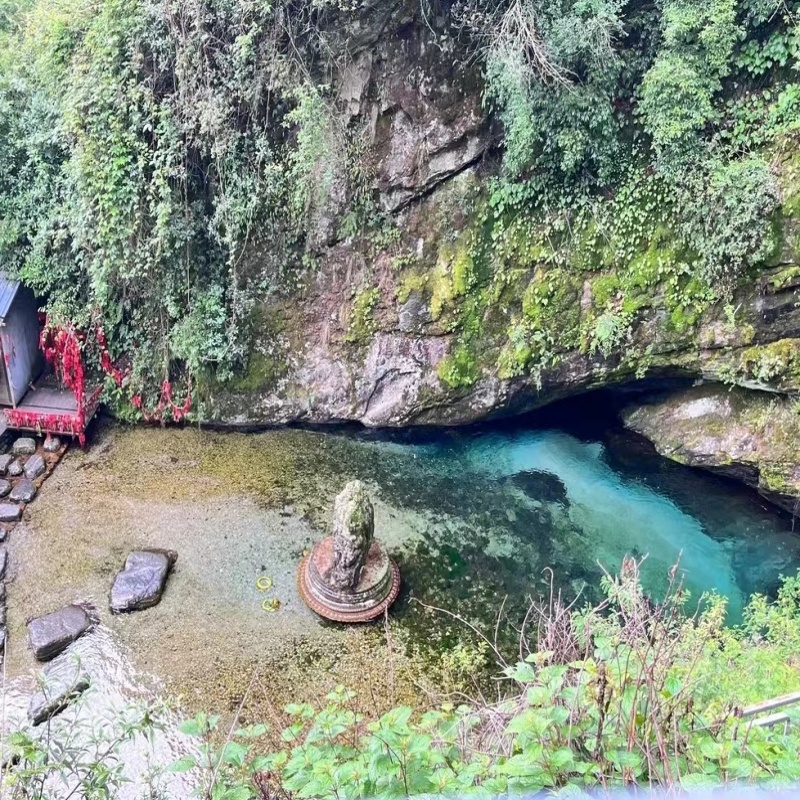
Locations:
{"points": [[52, 444], [51, 634], [748, 435], [142, 581], [34, 467], [24, 446], [23, 492], [62, 683], [9, 512]]}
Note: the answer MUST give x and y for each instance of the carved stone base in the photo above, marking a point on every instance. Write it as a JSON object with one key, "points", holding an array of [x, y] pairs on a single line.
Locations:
{"points": [[375, 592]]}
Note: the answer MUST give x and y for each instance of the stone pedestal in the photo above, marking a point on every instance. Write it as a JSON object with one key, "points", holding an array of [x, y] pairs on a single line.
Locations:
{"points": [[376, 590]]}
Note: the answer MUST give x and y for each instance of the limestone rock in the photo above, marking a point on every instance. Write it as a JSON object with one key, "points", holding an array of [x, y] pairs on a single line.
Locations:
{"points": [[24, 446], [751, 436], [62, 683], [142, 582], [23, 492], [52, 444], [353, 529], [34, 467], [9, 512], [5, 460], [51, 634], [14, 468]]}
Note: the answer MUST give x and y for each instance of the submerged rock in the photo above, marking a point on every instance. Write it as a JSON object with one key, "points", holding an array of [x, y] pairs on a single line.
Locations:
{"points": [[23, 492], [9, 512], [51, 634], [34, 467], [748, 435], [62, 683], [142, 581], [24, 446], [542, 486]]}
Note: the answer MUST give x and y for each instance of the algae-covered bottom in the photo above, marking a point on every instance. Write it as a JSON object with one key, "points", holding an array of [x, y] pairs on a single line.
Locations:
{"points": [[478, 520]]}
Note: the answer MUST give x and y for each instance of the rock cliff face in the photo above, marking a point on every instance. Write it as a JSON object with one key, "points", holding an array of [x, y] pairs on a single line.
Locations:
{"points": [[400, 327], [750, 436]]}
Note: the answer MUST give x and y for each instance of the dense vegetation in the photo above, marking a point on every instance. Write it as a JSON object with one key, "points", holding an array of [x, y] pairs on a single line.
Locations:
{"points": [[628, 693], [168, 165]]}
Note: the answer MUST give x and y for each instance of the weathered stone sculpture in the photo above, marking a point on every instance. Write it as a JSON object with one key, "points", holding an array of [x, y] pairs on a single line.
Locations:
{"points": [[349, 577]]}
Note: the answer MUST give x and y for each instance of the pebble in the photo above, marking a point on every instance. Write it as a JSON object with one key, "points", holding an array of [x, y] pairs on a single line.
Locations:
{"points": [[9, 512], [51, 634], [5, 460], [24, 446], [14, 468], [23, 492], [52, 444], [34, 467]]}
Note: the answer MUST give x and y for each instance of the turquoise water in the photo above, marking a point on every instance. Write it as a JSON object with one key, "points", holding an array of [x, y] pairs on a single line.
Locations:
{"points": [[512, 507]]}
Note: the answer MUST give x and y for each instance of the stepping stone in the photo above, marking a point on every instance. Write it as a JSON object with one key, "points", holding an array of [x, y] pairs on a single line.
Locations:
{"points": [[5, 487], [5, 460], [14, 468], [63, 683], [3, 562], [141, 583], [24, 446], [9, 512], [23, 492], [52, 444], [34, 467], [52, 633]]}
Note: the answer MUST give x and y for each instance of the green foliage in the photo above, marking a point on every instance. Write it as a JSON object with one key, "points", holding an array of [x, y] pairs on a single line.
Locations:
{"points": [[632, 692], [149, 152]]}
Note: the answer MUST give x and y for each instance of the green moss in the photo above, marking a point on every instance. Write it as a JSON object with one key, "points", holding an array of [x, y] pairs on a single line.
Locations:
{"points": [[785, 277], [410, 282], [362, 322], [777, 363], [459, 369]]}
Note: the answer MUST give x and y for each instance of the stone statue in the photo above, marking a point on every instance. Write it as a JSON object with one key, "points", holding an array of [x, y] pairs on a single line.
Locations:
{"points": [[353, 529], [349, 576]]}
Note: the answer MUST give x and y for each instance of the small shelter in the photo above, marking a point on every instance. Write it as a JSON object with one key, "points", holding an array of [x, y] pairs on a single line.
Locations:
{"points": [[22, 360], [31, 397]]}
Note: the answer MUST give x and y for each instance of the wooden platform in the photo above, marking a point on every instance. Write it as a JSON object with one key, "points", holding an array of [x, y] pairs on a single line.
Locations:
{"points": [[50, 408], [49, 400]]}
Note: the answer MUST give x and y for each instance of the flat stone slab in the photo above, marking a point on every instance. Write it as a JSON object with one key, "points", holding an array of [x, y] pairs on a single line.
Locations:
{"points": [[14, 468], [34, 467], [23, 492], [141, 583], [5, 460], [52, 444], [51, 634], [24, 446], [9, 512], [63, 683]]}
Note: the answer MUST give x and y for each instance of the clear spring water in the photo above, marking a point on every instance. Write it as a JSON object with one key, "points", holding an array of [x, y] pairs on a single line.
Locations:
{"points": [[577, 497]]}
